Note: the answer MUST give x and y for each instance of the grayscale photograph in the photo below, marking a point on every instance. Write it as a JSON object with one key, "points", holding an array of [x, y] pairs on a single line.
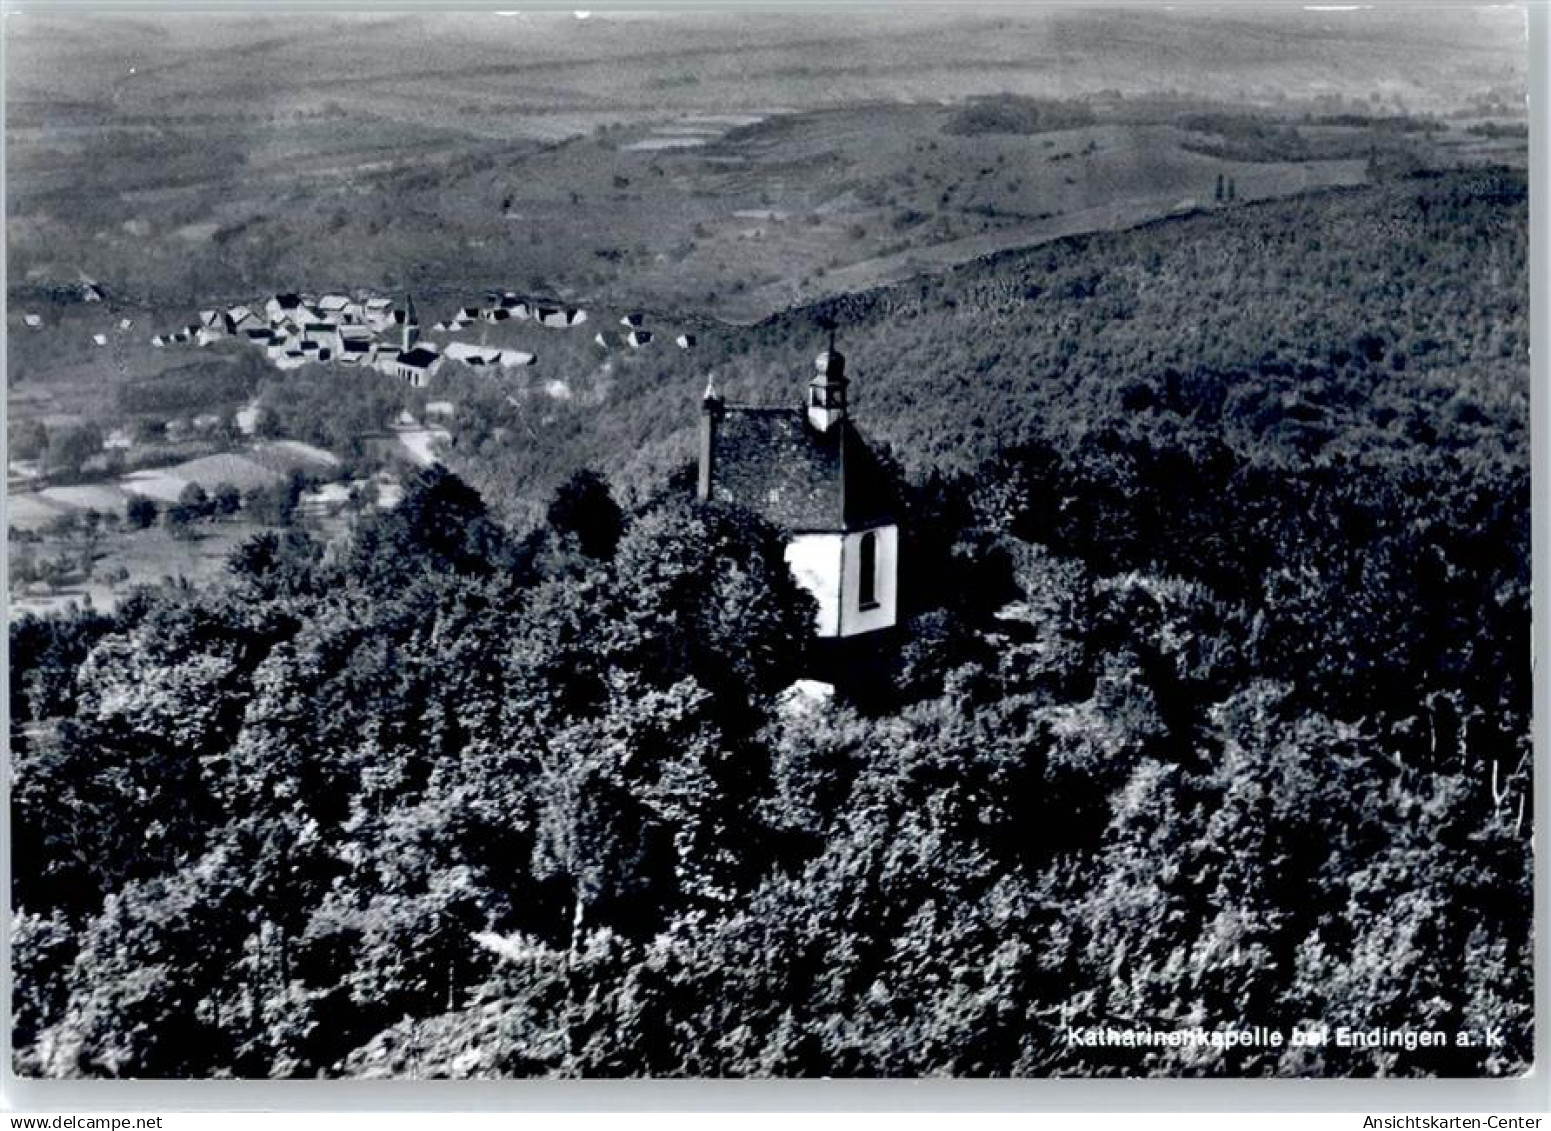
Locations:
{"points": [[788, 543]]}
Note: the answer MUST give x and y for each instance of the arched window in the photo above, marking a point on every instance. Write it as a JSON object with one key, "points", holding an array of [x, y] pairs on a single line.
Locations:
{"points": [[867, 591]]}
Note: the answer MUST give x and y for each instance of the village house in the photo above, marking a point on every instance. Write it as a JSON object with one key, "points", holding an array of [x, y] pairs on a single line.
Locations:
{"points": [[550, 316], [325, 334], [470, 354], [478, 356], [378, 313], [355, 345], [810, 472], [281, 307], [242, 320]]}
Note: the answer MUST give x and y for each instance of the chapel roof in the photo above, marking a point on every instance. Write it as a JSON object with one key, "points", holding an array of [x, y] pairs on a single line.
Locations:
{"points": [[774, 462]]}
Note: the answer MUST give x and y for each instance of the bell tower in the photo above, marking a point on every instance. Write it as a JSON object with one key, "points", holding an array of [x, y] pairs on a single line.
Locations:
{"points": [[827, 391]]}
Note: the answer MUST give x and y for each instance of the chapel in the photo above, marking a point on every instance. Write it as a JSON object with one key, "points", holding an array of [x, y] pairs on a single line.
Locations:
{"points": [[809, 471]]}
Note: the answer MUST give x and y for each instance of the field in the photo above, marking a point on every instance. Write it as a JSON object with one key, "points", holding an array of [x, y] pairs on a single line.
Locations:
{"points": [[624, 161], [119, 559], [733, 221]]}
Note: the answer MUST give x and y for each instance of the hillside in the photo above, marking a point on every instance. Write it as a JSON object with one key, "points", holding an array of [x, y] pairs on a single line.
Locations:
{"points": [[644, 161], [1284, 329], [1209, 702]]}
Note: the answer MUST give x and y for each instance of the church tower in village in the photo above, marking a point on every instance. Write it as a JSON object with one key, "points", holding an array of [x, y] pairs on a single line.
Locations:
{"points": [[810, 472], [411, 324]]}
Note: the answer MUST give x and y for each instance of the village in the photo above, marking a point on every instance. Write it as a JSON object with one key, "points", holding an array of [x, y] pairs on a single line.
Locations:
{"points": [[374, 332], [89, 535]]}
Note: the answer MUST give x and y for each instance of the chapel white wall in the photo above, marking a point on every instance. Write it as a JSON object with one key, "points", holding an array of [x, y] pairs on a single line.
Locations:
{"points": [[815, 562], [829, 567]]}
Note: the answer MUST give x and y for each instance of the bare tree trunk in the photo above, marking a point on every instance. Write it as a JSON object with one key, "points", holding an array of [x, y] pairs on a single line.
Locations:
{"points": [[572, 1036], [577, 915]]}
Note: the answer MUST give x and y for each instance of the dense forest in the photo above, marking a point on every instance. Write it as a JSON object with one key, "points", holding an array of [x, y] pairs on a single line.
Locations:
{"points": [[1209, 706], [1387, 324]]}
